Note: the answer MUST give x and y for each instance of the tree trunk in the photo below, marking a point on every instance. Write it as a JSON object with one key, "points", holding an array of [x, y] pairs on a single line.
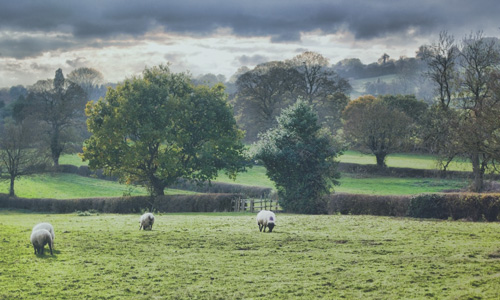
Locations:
{"points": [[478, 172], [157, 186], [55, 147], [381, 159], [11, 188]]}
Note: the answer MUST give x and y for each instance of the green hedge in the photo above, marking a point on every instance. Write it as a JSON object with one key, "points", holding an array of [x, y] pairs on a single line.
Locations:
{"points": [[359, 204], [168, 203], [474, 207]]}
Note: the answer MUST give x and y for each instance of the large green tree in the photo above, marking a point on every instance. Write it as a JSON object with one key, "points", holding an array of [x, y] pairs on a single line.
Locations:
{"points": [[299, 159], [157, 128]]}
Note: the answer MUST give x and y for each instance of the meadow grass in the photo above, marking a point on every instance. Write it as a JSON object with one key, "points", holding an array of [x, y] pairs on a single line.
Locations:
{"points": [[404, 160], [351, 183], [224, 256], [70, 186]]}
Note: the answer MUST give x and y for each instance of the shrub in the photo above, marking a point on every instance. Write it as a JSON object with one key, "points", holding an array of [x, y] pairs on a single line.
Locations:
{"points": [[359, 204], [168, 203], [475, 207]]}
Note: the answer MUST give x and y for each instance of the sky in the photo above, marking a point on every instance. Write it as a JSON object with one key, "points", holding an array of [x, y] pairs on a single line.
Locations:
{"points": [[122, 37]]}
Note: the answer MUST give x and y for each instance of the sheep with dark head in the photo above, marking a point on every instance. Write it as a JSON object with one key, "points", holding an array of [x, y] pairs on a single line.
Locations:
{"points": [[266, 218], [147, 220], [39, 238]]}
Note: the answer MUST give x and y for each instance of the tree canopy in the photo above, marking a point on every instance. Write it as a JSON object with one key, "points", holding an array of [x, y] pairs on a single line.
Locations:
{"points": [[299, 158], [157, 128]]}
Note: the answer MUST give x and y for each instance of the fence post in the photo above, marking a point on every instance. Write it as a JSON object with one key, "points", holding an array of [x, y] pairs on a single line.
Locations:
{"points": [[252, 205]]}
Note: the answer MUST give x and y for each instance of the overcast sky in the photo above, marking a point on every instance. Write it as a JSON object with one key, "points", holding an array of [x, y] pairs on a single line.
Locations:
{"points": [[121, 37]]}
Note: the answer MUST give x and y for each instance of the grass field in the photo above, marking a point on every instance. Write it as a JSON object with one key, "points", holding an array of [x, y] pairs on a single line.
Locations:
{"points": [[67, 186], [70, 186], [399, 160], [224, 256], [402, 160], [363, 185]]}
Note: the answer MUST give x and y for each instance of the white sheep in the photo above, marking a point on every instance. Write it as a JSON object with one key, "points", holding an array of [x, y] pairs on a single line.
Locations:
{"points": [[46, 226], [266, 218], [147, 220], [39, 238]]}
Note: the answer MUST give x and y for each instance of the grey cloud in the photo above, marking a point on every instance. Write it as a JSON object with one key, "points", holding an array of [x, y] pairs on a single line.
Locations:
{"points": [[23, 47], [282, 20], [252, 60], [77, 62]]}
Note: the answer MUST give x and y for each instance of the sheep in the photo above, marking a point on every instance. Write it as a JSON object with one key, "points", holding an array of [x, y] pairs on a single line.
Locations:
{"points": [[46, 226], [147, 220], [266, 218], [39, 238]]}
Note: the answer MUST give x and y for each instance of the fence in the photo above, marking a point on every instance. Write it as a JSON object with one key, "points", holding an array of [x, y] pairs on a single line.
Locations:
{"points": [[255, 205]]}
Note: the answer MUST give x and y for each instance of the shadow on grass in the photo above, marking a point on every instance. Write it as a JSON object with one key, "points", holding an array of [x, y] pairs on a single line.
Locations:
{"points": [[46, 254]]}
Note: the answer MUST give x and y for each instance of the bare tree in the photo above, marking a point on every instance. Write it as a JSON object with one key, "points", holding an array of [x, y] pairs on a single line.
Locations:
{"points": [[442, 67], [262, 93], [466, 122], [21, 152], [89, 79], [321, 87]]}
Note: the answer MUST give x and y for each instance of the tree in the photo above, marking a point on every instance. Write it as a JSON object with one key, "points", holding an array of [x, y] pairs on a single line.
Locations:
{"points": [[299, 158], [321, 87], [373, 126], [154, 129], [262, 93], [471, 108], [89, 79], [21, 152], [442, 68], [57, 104]]}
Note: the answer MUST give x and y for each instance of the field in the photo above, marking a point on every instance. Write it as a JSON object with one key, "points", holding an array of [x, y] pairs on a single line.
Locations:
{"points": [[349, 183], [224, 256], [70, 186]]}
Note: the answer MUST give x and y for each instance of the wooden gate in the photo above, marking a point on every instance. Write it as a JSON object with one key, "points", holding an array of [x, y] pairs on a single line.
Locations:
{"points": [[255, 205]]}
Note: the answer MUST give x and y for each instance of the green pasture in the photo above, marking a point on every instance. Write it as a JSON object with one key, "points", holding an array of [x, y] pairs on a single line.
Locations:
{"points": [[224, 256], [358, 85], [403, 160], [350, 183], [397, 160], [67, 186], [70, 186]]}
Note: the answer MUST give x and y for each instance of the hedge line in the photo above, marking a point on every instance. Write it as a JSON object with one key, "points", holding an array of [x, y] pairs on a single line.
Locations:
{"points": [[475, 207], [221, 187], [406, 172], [136, 204]]}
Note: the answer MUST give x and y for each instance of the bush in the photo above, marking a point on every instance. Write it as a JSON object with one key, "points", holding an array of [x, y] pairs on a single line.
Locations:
{"points": [[475, 207], [359, 204], [428, 206], [168, 203]]}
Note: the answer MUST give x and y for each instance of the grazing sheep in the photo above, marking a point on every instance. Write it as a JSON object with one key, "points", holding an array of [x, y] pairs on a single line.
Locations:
{"points": [[266, 218], [39, 238], [46, 226], [147, 220]]}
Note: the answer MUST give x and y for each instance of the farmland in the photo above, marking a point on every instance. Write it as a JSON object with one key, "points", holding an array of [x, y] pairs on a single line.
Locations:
{"points": [[223, 256]]}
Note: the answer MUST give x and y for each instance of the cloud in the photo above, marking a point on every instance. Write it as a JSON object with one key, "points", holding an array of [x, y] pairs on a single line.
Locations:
{"points": [[246, 60], [282, 20]]}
